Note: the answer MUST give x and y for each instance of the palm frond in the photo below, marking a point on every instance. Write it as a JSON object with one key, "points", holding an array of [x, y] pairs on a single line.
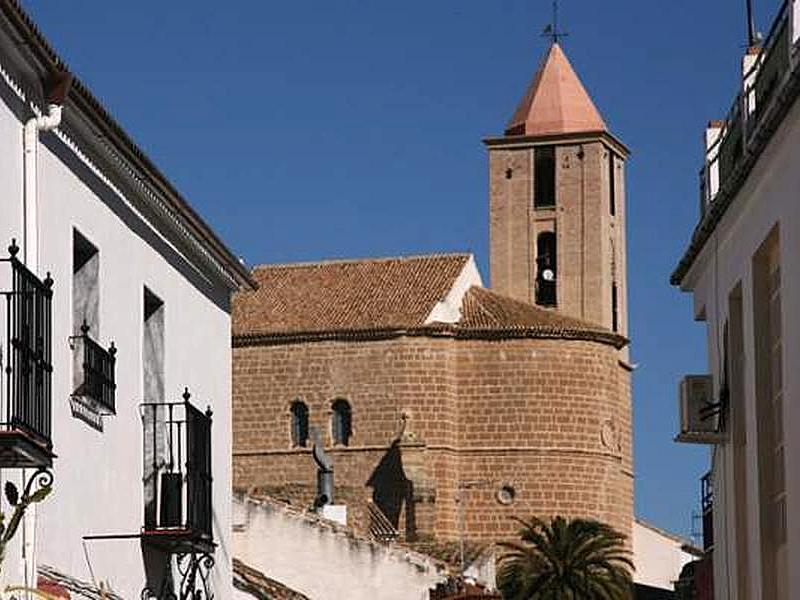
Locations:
{"points": [[565, 560]]}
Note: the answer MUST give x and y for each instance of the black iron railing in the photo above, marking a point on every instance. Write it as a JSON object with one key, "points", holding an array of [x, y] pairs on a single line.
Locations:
{"points": [[731, 145], [707, 504], [178, 460], [98, 367], [775, 63], [28, 361], [768, 74]]}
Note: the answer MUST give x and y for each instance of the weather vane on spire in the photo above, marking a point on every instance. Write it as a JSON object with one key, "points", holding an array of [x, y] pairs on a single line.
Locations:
{"points": [[552, 31]]}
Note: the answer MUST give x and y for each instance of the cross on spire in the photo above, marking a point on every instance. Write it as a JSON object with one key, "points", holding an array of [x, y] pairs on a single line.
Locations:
{"points": [[552, 31]]}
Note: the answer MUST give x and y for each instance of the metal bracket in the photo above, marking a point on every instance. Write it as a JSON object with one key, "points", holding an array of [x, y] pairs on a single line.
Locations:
{"points": [[194, 569]]}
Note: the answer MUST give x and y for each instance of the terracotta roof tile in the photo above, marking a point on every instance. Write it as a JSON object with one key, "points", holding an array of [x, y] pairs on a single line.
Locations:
{"points": [[345, 295], [382, 298], [255, 583], [61, 585], [556, 102], [485, 311]]}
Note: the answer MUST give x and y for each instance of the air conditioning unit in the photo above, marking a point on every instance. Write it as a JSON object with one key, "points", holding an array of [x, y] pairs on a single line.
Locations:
{"points": [[699, 411]]}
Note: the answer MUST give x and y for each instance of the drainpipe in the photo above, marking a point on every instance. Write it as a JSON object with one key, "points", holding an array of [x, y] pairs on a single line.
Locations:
{"points": [[57, 88]]}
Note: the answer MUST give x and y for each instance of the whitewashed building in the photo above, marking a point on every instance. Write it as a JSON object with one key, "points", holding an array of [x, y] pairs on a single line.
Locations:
{"points": [[658, 558], [116, 358], [743, 268]]}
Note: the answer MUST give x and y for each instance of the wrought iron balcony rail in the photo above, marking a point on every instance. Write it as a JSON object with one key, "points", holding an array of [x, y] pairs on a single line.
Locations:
{"points": [[178, 479], [27, 407], [768, 75], [707, 505], [98, 383]]}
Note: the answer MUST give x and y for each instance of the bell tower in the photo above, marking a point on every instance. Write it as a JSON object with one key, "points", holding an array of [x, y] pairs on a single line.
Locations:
{"points": [[557, 202]]}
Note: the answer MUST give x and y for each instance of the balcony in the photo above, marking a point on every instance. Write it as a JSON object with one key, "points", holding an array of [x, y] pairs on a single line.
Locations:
{"points": [[96, 385], [26, 410], [707, 505], [178, 482], [755, 113]]}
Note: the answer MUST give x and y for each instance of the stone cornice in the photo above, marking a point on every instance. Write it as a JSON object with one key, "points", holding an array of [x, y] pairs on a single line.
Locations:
{"points": [[431, 331], [526, 141]]}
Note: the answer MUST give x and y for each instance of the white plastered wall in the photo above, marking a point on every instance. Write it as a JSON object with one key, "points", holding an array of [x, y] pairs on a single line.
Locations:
{"points": [[449, 309], [325, 562], [657, 558], [769, 197], [98, 475]]}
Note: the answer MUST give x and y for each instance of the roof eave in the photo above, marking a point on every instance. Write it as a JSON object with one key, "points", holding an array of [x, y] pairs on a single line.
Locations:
{"points": [[82, 99], [436, 330], [512, 141]]}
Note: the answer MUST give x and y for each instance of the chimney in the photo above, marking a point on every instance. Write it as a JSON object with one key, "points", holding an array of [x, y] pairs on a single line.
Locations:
{"points": [[711, 172], [751, 64]]}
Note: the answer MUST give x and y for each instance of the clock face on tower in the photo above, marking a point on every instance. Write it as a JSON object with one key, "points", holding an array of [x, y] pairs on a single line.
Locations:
{"points": [[548, 275]]}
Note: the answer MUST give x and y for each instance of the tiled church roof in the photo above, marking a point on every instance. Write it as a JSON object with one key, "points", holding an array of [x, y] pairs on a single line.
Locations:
{"points": [[381, 298], [485, 311], [345, 294]]}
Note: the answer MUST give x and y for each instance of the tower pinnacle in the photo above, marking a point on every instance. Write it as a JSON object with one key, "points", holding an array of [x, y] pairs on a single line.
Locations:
{"points": [[556, 102], [552, 31]]}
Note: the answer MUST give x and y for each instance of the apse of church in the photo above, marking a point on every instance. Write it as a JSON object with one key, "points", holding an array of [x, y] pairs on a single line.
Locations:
{"points": [[446, 408]]}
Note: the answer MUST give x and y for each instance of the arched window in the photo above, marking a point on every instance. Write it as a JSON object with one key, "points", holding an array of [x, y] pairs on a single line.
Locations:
{"points": [[546, 268], [299, 412], [341, 422]]}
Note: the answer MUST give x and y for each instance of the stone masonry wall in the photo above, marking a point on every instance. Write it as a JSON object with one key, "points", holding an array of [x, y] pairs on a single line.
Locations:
{"points": [[548, 418]]}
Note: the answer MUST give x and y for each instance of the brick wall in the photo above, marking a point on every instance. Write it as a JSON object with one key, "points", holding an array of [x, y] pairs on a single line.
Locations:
{"points": [[550, 418], [589, 238]]}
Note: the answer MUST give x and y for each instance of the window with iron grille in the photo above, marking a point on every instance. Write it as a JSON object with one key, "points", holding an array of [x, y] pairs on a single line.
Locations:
{"points": [[94, 367], [180, 485], [28, 359], [96, 373]]}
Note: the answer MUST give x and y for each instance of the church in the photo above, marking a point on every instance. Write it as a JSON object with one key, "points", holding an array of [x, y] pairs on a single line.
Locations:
{"points": [[444, 407]]}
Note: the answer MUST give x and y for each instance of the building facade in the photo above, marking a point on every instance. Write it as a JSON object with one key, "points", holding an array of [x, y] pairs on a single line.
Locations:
{"points": [[446, 408], [740, 268], [107, 276]]}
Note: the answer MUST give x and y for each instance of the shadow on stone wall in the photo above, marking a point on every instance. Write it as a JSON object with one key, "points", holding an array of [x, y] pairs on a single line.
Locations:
{"points": [[391, 490]]}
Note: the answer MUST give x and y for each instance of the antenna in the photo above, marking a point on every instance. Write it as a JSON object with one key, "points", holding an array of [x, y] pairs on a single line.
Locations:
{"points": [[753, 39], [552, 31]]}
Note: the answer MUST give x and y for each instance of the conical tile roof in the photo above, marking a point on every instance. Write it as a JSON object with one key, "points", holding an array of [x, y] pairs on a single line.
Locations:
{"points": [[556, 102]]}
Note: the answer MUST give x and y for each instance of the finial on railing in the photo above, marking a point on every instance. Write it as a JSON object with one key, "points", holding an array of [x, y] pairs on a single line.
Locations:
{"points": [[112, 350], [209, 412], [48, 281], [13, 249], [85, 327], [186, 394]]}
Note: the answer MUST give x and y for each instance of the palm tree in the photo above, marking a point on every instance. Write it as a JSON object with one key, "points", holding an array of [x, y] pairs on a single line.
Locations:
{"points": [[579, 559]]}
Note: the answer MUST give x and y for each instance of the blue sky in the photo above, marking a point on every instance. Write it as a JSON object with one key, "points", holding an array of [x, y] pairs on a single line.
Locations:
{"points": [[308, 129]]}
